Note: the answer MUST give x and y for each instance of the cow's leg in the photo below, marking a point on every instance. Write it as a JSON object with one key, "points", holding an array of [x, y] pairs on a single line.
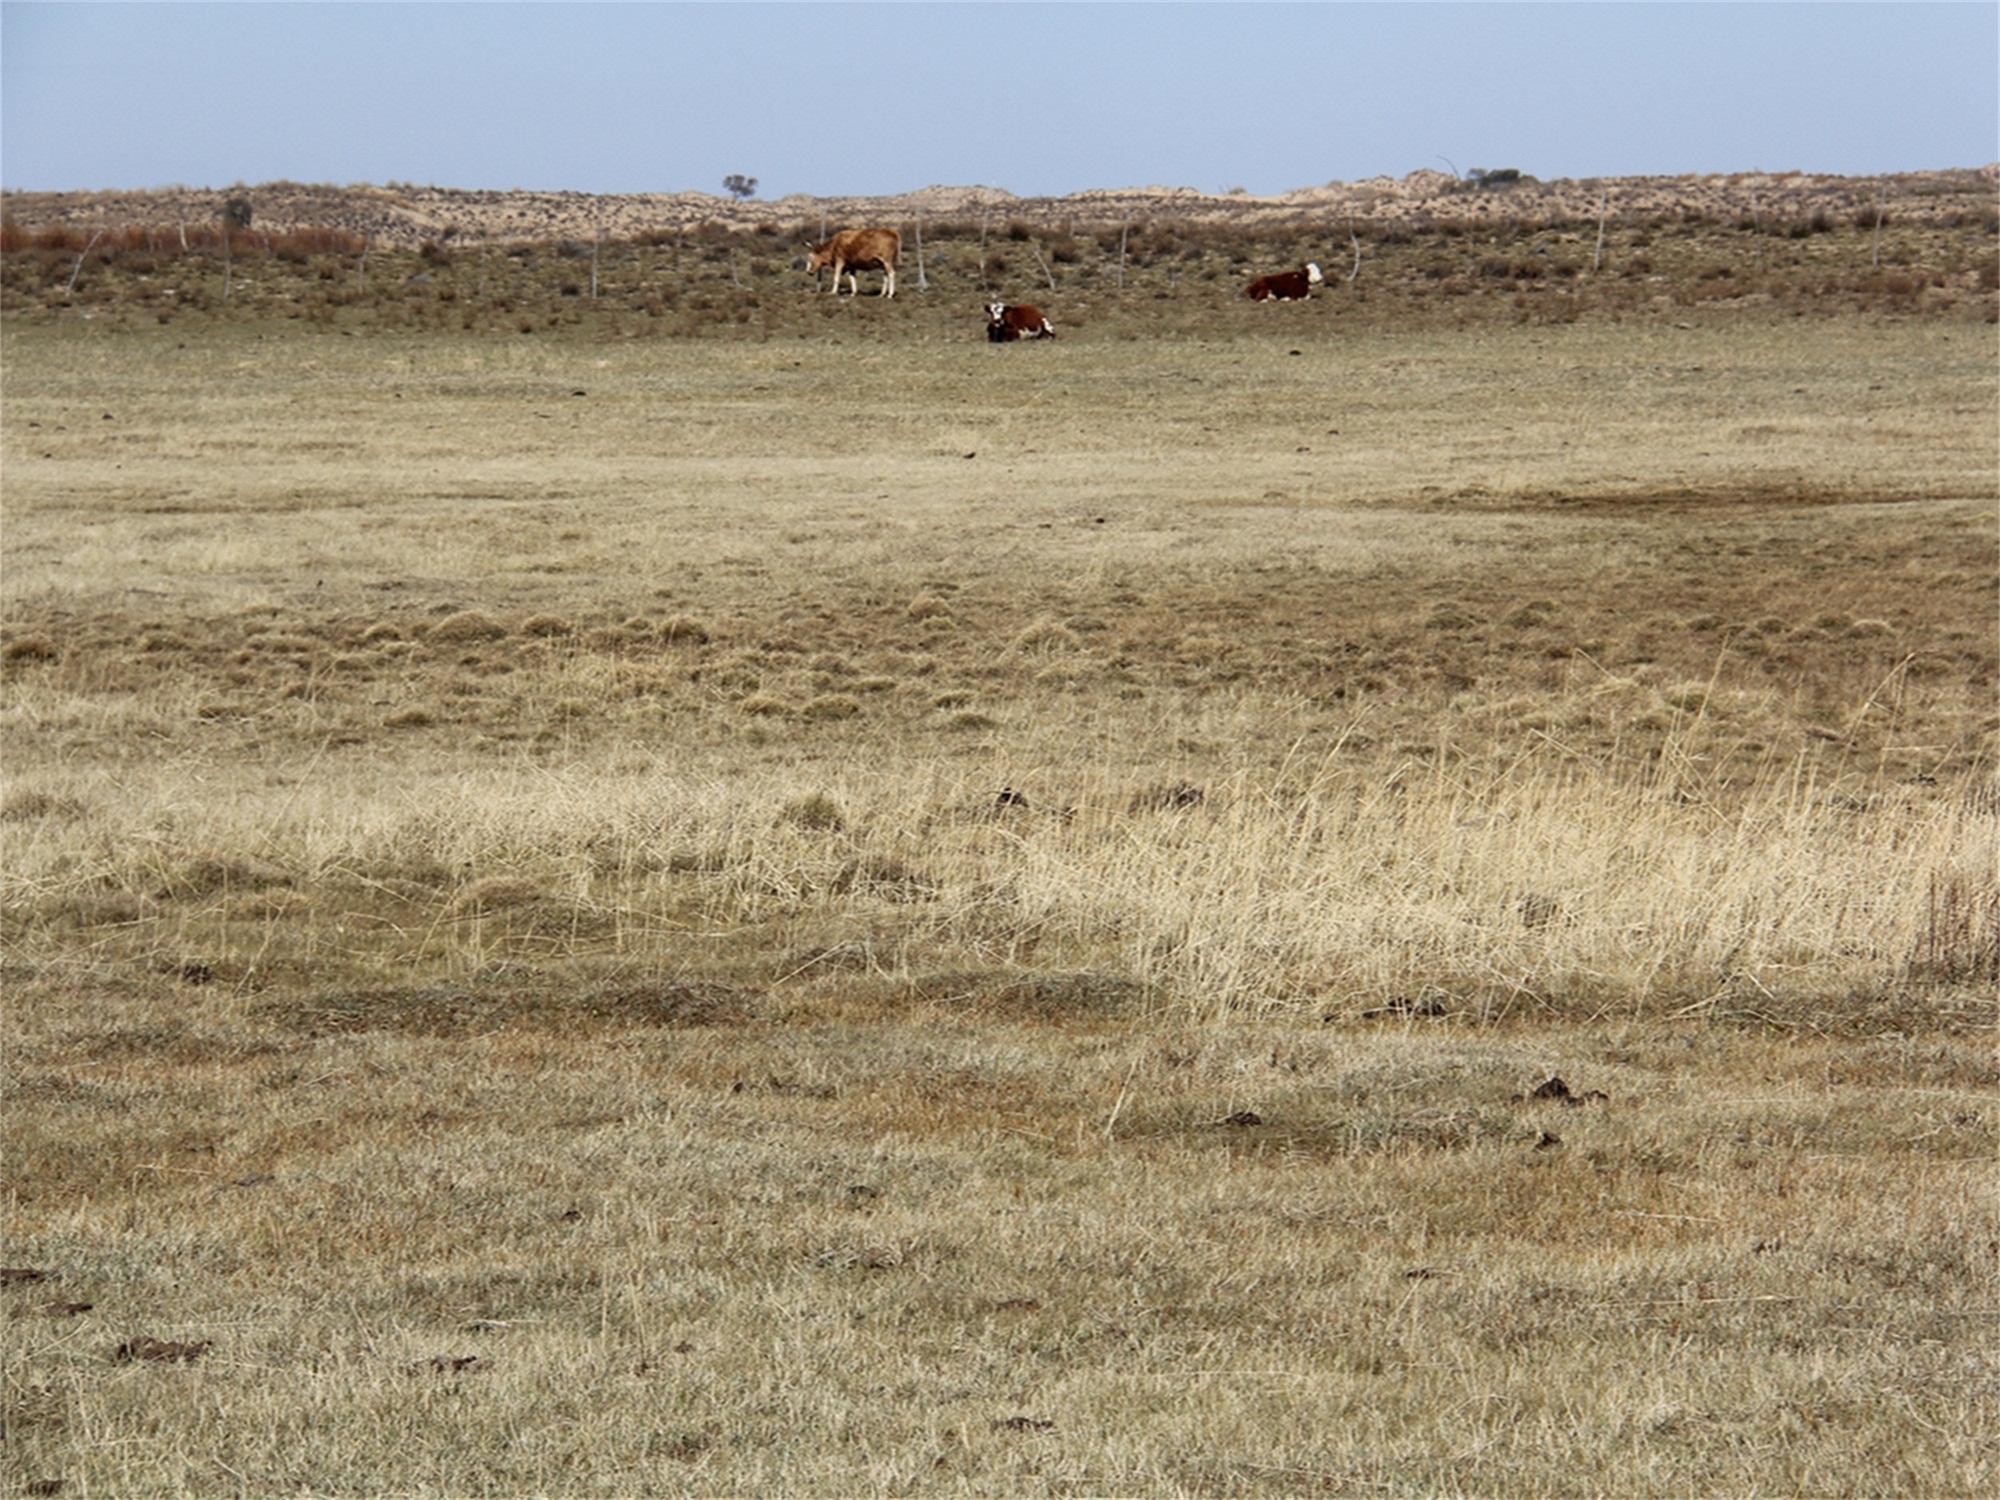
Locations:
{"points": [[888, 281]]}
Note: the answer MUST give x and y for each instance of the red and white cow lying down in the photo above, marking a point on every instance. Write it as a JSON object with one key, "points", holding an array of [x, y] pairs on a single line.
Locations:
{"points": [[1285, 286], [858, 250], [1005, 324]]}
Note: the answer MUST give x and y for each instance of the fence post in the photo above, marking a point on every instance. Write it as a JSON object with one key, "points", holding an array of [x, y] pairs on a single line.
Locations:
{"points": [[79, 263]]}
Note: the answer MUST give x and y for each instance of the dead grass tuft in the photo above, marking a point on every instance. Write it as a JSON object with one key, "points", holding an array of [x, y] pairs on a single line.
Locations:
{"points": [[1055, 998], [479, 1007], [465, 626], [684, 630], [498, 893], [27, 649], [208, 873], [1959, 938], [816, 812], [889, 878], [1044, 635], [29, 804], [1168, 797], [830, 707]]}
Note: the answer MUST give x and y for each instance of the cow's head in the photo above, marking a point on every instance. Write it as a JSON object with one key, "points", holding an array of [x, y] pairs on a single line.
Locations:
{"points": [[1312, 273], [997, 311]]}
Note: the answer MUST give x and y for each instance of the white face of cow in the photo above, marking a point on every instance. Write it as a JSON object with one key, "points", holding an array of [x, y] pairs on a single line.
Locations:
{"points": [[1312, 273], [996, 310]]}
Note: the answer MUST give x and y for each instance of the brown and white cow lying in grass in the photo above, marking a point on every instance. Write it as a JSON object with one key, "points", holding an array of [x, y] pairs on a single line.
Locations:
{"points": [[858, 250], [1285, 286], [1005, 324]]}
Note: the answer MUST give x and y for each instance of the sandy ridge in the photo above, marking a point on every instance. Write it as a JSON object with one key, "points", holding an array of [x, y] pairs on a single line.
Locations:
{"points": [[401, 214]]}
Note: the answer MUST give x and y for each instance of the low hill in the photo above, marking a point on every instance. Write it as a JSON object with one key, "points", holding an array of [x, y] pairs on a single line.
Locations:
{"points": [[400, 214]]}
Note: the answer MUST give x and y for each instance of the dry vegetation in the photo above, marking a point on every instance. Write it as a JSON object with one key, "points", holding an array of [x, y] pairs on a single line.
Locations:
{"points": [[1420, 253], [404, 215], [748, 894]]}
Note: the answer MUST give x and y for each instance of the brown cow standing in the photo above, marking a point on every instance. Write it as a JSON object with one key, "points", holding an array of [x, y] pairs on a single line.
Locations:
{"points": [[858, 250], [1005, 324], [1285, 286]]}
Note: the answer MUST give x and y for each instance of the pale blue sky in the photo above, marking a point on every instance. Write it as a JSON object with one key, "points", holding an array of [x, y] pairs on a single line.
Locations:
{"points": [[852, 98]]}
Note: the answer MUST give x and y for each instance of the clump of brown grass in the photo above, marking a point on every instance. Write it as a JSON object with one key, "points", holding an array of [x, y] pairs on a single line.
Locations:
{"points": [[1044, 635], [29, 648], [465, 626], [24, 804], [684, 630], [498, 893], [816, 812], [830, 707]]}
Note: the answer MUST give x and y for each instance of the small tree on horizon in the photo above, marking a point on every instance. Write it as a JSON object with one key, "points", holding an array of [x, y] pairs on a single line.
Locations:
{"points": [[739, 186]]}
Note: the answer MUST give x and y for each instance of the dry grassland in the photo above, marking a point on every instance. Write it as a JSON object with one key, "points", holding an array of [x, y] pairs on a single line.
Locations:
{"points": [[842, 910]]}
